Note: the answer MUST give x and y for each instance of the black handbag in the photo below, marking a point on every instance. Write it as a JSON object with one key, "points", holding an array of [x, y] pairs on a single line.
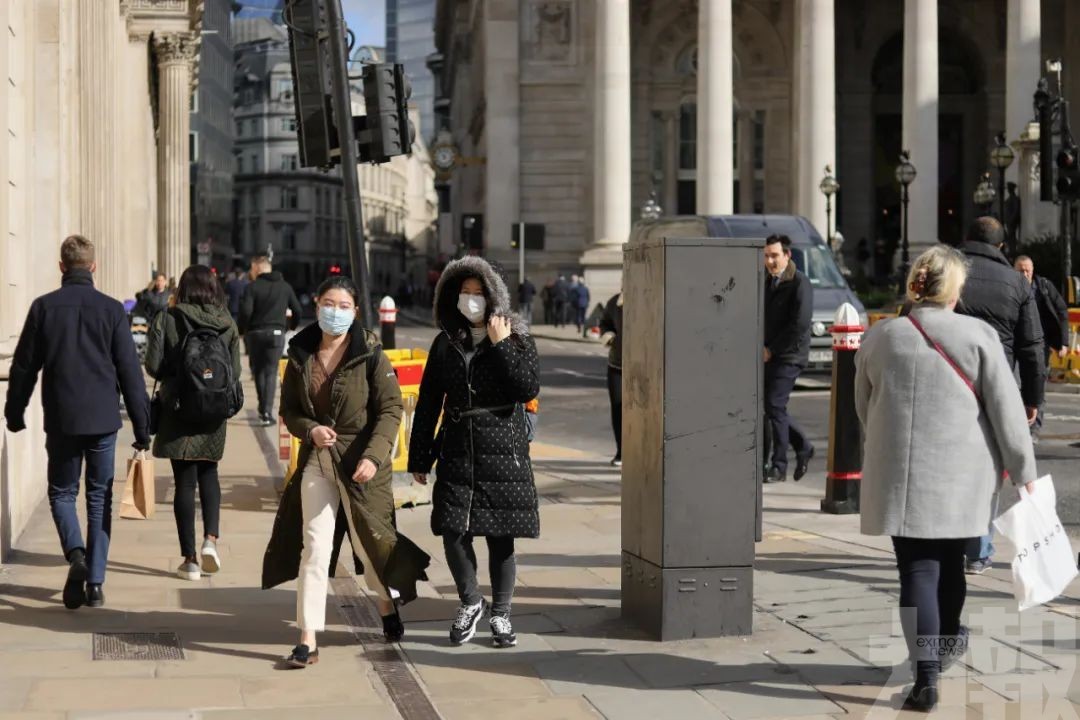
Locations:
{"points": [[155, 409]]}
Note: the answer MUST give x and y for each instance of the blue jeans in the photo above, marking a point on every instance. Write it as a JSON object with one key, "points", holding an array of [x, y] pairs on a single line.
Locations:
{"points": [[66, 455], [982, 548]]}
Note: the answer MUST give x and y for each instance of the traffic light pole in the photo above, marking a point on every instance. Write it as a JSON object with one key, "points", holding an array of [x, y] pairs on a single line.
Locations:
{"points": [[342, 104]]}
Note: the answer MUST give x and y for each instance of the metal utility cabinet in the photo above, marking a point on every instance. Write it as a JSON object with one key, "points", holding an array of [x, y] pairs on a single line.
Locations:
{"points": [[692, 421]]}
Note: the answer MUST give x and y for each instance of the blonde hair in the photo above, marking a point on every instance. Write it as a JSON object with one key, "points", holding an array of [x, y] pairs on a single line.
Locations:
{"points": [[937, 276], [76, 252]]}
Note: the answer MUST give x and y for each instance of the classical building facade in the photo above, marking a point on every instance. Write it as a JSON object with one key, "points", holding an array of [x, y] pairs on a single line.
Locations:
{"points": [[95, 121], [570, 113]]}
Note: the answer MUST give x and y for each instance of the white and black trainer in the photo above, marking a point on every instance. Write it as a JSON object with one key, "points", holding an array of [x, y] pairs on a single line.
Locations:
{"points": [[502, 632], [464, 626]]}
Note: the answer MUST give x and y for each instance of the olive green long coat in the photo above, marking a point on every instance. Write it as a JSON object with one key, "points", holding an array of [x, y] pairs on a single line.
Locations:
{"points": [[366, 410], [179, 439]]}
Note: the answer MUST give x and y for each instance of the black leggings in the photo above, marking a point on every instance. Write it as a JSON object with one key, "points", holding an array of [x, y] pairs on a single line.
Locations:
{"points": [[501, 565], [188, 474], [932, 583], [614, 388]]}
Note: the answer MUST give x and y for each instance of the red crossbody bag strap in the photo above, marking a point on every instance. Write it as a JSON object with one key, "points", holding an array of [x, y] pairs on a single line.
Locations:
{"points": [[941, 351]]}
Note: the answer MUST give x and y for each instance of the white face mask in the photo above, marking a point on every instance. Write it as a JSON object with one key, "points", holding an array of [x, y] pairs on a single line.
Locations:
{"points": [[472, 307]]}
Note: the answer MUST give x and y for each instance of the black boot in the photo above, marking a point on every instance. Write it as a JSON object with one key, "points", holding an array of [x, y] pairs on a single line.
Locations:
{"points": [[922, 699], [393, 628], [75, 587], [95, 596]]}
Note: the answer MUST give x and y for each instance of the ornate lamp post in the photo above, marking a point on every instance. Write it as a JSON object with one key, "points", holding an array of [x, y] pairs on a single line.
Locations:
{"points": [[984, 193], [905, 175], [651, 210], [828, 187], [1001, 157]]}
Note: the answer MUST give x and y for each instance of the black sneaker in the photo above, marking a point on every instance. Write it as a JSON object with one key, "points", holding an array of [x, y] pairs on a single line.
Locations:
{"points": [[921, 699], [502, 632], [775, 475], [392, 627], [302, 656], [464, 626], [75, 587], [802, 464], [616, 461], [957, 651], [978, 567], [95, 596]]}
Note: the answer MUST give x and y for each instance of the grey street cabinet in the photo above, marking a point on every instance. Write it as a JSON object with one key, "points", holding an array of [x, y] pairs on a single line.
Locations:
{"points": [[692, 423]]}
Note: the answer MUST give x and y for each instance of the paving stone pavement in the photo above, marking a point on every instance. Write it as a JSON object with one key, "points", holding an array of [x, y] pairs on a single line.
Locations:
{"points": [[826, 642]]}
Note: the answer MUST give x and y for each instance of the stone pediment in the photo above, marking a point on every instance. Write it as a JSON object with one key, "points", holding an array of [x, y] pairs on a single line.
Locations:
{"points": [[162, 16]]}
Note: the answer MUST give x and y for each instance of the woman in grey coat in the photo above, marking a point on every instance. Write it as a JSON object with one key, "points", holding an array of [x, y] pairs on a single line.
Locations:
{"points": [[942, 421]]}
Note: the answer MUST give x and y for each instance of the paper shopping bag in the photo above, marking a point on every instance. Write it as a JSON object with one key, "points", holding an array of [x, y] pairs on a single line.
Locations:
{"points": [[1044, 564], [138, 502]]}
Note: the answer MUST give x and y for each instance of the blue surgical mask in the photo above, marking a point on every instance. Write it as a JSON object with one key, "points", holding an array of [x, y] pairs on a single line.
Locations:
{"points": [[335, 321]]}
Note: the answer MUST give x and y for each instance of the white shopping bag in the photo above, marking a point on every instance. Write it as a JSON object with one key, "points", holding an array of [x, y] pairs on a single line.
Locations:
{"points": [[1044, 564]]}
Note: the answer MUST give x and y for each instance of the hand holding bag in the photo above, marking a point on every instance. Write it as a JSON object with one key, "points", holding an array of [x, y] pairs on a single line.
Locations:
{"points": [[138, 502], [1044, 564]]}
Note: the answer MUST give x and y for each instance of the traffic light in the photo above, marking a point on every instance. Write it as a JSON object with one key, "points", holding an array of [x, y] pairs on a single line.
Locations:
{"points": [[312, 81], [385, 131], [335, 269], [1044, 111], [1068, 182]]}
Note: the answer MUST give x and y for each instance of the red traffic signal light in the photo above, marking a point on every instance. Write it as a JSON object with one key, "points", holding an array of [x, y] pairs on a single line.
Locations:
{"points": [[1066, 158], [335, 269]]}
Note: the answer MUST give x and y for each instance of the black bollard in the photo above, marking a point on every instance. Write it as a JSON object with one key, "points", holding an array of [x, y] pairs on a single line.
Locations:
{"points": [[388, 323], [845, 435]]}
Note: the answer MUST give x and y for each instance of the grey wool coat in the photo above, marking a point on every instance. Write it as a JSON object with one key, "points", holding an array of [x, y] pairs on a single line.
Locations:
{"points": [[933, 455]]}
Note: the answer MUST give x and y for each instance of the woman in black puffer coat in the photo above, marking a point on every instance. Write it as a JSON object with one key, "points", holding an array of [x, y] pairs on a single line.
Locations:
{"points": [[482, 369]]}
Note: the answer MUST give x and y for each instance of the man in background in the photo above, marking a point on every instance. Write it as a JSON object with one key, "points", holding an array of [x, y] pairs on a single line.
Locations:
{"points": [[1053, 318], [234, 291]]}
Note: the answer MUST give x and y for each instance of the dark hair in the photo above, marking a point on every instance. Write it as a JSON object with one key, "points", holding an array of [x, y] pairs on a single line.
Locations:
{"points": [[987, 230], [784, 240], [339, 282], [198, 286]]}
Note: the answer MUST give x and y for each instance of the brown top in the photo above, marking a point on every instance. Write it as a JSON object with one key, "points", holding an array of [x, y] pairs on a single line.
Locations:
{"points": [[321, 385]]}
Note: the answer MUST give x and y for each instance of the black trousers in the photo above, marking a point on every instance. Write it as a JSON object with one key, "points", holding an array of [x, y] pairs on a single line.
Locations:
{"points": [[502, 566], [779, 382], [614, 388], [188, 474], [932, 594], [264, 353]]}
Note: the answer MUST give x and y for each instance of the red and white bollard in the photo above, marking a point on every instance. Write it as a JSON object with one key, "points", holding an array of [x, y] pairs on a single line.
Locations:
{"points": [[388, 322], [844, 476]]}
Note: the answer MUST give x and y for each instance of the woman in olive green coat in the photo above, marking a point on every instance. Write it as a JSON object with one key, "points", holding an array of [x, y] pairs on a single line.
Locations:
{"points": [[340, 396], [193, 447]]}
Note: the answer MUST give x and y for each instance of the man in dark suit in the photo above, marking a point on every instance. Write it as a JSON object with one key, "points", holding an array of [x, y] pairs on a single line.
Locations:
{"points": [[80, 341], [789, 308], [1053, 316]]}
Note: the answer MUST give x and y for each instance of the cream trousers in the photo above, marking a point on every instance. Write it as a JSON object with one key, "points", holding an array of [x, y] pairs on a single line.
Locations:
{"points": [[321, 496]]}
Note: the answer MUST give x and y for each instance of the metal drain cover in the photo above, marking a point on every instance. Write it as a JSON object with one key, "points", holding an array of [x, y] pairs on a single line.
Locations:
{"points": [[137, 646]]}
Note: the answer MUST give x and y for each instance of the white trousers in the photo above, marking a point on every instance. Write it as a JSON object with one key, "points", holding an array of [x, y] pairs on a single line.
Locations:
{"points": [[321, 496]]}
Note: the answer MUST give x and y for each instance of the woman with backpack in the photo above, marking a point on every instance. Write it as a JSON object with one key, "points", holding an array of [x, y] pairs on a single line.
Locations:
{"points": [[193, 350], [481, 371], [341, 397]]}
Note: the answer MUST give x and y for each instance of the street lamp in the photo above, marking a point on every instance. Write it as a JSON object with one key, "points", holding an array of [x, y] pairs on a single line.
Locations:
{"points": [[984, 193], [828, 186], [905, 175], [1001, 157], [651, 210]]}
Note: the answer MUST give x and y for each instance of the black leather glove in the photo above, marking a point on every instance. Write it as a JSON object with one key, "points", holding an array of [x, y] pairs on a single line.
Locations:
{"points": [[16, 424], [141, 445]]}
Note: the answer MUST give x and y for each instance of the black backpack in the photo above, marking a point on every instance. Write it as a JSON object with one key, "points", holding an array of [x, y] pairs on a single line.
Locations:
{"points": [[207, 390]]}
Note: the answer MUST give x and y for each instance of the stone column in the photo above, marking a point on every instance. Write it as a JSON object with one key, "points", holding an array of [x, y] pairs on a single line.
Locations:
{"points": [[671, 163], [1022, 69], [715, 94], [502, 119], [176, 54], [611, 123], [920, 123], [612, 142], [815, 105]]}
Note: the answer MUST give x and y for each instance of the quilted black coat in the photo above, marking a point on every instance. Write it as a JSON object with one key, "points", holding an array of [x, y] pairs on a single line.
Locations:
{"points": [[484, 481]]}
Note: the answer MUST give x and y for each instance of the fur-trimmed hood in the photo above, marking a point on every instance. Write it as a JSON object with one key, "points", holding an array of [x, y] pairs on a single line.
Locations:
{"points": [[450, 319]]}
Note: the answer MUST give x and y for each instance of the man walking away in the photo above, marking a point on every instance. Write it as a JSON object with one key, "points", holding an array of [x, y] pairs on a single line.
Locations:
{"points": [[560, 293], [579, 301], [789, 306], [526, 295], [1053, 317], [79, 339], [1001, 297], [263, 323], [611, 328], [234, 292]]}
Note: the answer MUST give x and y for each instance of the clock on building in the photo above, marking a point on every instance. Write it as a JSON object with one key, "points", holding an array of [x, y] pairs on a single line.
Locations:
{"points": [[444, 153]]}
